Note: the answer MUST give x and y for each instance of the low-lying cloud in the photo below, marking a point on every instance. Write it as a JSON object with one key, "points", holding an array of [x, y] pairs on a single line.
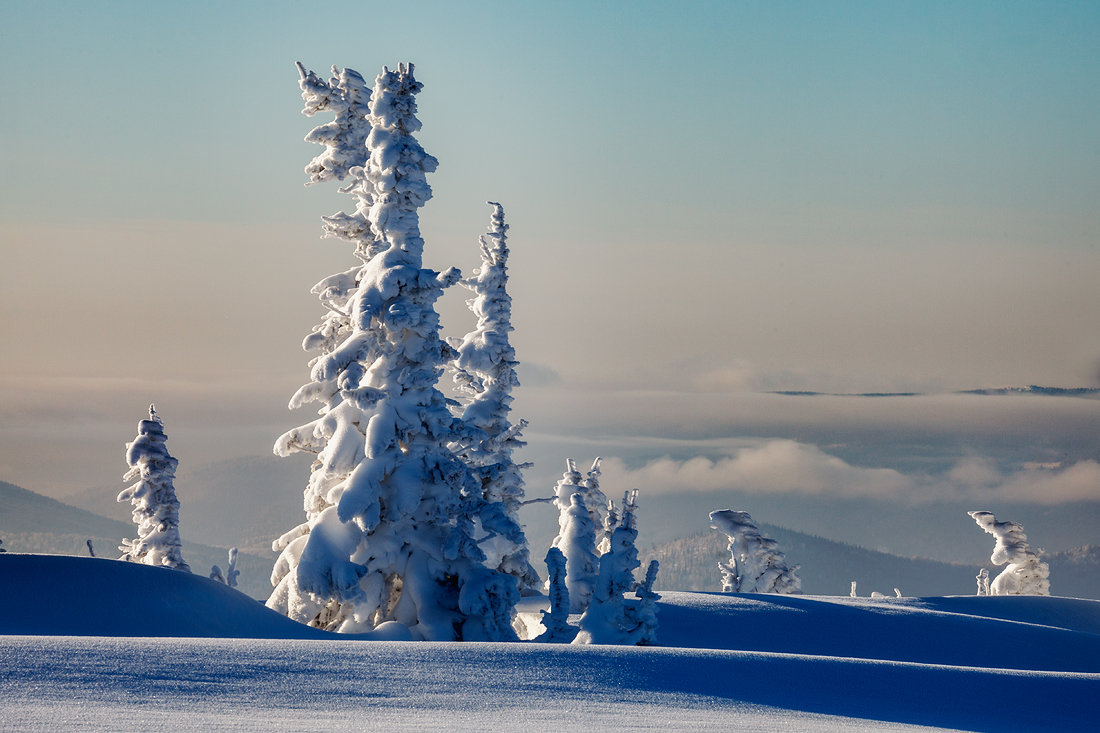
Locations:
{"points": [[790, 467]]}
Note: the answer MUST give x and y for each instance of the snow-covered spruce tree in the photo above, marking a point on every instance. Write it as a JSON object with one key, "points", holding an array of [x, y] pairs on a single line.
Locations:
{"points": [[556, 620], [756, 565], [336, 395], [390, 508], [577, 542], [156, 509], [485, 369], [1025, 574], [610, 618]]}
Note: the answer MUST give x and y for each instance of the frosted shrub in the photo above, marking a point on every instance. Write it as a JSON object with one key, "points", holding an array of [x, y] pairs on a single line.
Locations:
{"points": [[1024, 574], [756, 565]]}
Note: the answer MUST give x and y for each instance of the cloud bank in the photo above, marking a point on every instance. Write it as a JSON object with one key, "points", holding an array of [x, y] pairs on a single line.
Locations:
{"points": [[794, 468]]}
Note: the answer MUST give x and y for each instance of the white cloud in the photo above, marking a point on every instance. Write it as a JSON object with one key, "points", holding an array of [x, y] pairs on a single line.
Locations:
{"points": [[1078, 482], [790, 467], [772, 467]]}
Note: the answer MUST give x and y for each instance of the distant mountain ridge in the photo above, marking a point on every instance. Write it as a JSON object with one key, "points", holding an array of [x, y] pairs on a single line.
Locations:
{"points": [[33, 523]]}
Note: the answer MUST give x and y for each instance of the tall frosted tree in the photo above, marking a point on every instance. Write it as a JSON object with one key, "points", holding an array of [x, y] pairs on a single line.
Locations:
{"points": [[756, 564], [485, 369], [390, 530], [1024, 574], [153, 497]]}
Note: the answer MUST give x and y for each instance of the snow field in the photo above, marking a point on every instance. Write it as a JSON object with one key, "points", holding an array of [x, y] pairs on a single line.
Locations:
{"points": [[728, 662]]}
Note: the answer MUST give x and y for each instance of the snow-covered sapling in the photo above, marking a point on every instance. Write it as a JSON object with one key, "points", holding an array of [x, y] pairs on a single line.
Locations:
{"points": [[1025, 574], [556, 620], [391, 509], [231, 572], [756, 564], [983, 582], [852, 592], [156, 509], [91, 550]]}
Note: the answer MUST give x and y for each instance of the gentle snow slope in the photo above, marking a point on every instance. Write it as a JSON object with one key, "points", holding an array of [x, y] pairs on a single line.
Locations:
{"points": [[60, 682]]}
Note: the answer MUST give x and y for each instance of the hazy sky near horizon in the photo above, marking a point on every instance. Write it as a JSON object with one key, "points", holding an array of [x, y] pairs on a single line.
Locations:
{"points": [[708, 201]]}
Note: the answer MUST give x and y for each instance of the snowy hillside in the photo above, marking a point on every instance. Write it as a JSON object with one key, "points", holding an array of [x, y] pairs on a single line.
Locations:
{"points": [[746, 662]]}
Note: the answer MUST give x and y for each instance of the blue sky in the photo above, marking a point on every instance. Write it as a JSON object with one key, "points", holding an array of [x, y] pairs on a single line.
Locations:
{"points": [[715, 199]]}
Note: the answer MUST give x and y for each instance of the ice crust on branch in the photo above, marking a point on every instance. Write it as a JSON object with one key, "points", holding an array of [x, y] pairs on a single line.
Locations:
{"points": [[1024, 574], [756, 564], [390, 534], [156, 509]]}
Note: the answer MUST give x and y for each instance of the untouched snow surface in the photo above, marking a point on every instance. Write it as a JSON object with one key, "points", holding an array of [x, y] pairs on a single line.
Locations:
{"points": [[70, 660]]}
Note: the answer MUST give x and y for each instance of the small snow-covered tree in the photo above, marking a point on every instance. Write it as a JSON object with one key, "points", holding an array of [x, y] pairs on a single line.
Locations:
{"points": [[983, 582], [756, 564], [485, 369], [1025, 574], [611, 618], [156, 509], [577, 542], [231, 572], [390, 531], [91, 549], [646, 607], [556, 620]]}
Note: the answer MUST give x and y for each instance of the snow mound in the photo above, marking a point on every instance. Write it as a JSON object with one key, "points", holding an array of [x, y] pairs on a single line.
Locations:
{"points": [[1004, 632], [60, 595]]}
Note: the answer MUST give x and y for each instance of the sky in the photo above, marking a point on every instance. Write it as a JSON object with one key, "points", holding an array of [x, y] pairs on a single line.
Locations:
{"points": [[709, 203]]}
